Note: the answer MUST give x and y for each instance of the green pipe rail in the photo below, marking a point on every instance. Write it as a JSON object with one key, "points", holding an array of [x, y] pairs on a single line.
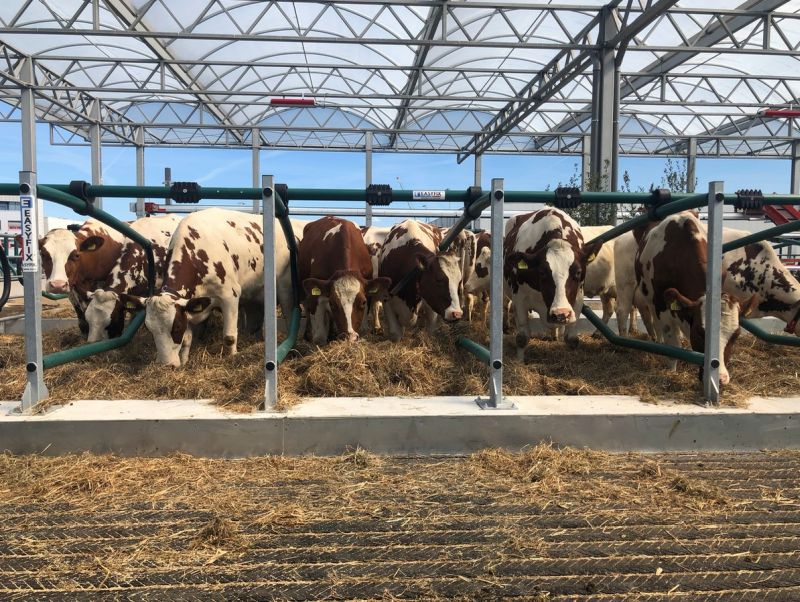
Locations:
{"points": [[679, 353], [78, 353], [759, 236], [54, 296], [476, 349], [288, 344], [777, 339]]}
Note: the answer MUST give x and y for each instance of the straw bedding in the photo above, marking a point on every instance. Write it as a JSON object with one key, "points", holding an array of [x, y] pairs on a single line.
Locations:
{"points": [[541, 524], [420, 365]]}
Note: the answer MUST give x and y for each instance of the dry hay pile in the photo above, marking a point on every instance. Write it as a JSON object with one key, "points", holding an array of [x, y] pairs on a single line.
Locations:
{"points": [[182, 515], [421, 365]]}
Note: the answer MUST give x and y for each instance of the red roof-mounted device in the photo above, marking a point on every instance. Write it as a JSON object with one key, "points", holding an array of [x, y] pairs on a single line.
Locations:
{"points": [[786, 113], [293, 102]]}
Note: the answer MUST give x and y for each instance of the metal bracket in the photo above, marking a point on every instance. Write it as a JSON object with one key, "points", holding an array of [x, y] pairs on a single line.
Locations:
{"points": [[658, 197], [379, 194], [486, 404], [473, 194], [749, 199], [185, 192], [567, 197], [283, 192]]}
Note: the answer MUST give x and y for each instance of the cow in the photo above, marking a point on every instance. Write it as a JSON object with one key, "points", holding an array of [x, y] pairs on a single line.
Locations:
{"points": [[755, 269], [479, 282], [600, 278], [76, 262], [105, 312], [215, 260], [625, 248], [374, 236], [671, 280], [544, 267], [336, 272], [438, 277]]}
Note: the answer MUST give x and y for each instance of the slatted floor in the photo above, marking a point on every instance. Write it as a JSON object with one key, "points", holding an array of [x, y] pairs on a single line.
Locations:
{"points": [[492, 526]]}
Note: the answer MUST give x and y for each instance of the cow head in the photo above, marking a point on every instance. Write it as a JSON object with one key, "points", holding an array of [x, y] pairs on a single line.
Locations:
{"points": [[793, 325], [62, 256], [105, 315], [477, 280], [557, 271], [344, 296], [440, 283], [693, 312], [168, 316]]}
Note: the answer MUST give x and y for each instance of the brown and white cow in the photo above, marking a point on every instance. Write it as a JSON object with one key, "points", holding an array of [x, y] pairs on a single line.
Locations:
{"points": [[77, 262], [600, 278], [671, 279], [755, 269], [438, 284], [479, 282], [215, 260], [105, 312], [544, 266], [336, 272], [374, 237]]}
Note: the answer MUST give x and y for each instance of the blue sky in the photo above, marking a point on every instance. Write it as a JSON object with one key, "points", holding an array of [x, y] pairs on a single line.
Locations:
{"points": [[305, 169]]}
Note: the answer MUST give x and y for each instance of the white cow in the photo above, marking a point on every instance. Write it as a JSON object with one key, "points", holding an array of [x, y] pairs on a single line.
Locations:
{"points": [[374, 237]]}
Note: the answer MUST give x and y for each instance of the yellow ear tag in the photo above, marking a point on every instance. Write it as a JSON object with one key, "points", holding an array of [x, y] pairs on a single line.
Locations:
{"points": [[373, 290], [316, 292], [197, 309], [592, 257], [522, 264], [91, 247], [130, 305], [675, 306]]}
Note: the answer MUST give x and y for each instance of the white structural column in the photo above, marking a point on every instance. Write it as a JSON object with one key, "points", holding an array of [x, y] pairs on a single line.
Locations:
{"points": [[604, 82], [795, 184], [140, 169], [716, 205], [32, 228], [255, 136], [586, 162], [168, 183], [368, 174], [97, 153], [270, 304], [496, 296], [476, 181], [691, 164]]}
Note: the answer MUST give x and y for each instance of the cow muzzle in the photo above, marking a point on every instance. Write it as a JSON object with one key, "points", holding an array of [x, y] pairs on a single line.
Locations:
{"points": [[561, 316], [453, 315], [57, 286]]}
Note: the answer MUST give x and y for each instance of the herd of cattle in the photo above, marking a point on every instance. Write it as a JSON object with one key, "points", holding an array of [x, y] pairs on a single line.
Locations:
{"points": [[354, 278]]}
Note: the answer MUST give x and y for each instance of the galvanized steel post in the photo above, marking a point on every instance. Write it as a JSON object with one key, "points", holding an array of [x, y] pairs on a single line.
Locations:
{"points": [[97, 149], [711, 364], [270, 309], [140, 169], [35, 389], [255, 141], [476, 181], [368, 174], [496, 297], [168, 183]]}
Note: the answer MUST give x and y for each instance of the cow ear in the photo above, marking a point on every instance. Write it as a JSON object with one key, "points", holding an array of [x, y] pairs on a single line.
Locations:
{"points": [[131, 302], [92, 243], [591, 250], [197, 305], [677, 301], [378, 288], [523, 261], [750, 306], [314, 287]]}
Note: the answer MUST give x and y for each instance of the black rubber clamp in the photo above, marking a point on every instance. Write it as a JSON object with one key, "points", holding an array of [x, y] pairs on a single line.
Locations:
{"points": [[749, 199], [379, 194], [567, 197], [658, 197], [80, 190], [185, 192]]}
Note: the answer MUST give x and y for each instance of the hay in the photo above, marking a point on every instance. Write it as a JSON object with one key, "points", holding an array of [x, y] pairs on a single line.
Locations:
{"points": [[420, 365]]}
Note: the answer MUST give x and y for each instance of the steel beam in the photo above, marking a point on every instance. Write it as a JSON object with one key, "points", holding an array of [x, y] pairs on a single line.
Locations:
{"points": [[691, 164], [270, 304], [140, 170], [367, 175], [255, 142], [713, 304], [795, 183], [496, 306], [97, 150]]}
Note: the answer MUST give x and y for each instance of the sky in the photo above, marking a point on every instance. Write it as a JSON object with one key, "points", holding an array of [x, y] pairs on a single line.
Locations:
{"points": [[310, 169]]}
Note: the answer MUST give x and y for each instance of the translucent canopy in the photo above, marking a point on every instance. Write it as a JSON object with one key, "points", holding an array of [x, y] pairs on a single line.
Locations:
{"points": [[416, 75]]}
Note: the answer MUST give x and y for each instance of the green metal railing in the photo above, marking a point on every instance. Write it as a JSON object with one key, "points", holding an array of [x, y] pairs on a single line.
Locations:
{"points": [[78, 353]]}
